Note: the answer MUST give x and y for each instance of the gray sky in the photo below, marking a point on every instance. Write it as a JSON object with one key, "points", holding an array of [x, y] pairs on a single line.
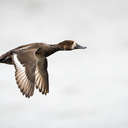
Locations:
{"points": [[88, 88]]}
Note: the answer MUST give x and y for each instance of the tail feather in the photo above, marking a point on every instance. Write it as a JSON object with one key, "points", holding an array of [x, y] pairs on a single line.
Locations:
{"points": [[6, 58]]}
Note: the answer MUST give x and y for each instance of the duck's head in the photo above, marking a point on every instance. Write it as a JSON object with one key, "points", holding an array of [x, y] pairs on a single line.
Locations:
{"points": [[70, 45]]}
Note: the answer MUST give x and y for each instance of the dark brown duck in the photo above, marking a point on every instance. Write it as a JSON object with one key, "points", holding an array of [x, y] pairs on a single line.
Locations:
{"points": [[30, 62]]}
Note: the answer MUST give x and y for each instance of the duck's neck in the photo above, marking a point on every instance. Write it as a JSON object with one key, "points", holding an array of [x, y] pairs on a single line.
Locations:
{"points": [[52, 49]]}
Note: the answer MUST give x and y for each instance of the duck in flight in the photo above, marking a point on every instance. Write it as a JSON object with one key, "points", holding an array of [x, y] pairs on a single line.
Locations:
{"points": [[30, 62]]}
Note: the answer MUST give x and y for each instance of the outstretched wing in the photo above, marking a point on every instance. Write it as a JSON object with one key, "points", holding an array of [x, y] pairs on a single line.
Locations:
{"points": [[41, 76], [25, 65]]}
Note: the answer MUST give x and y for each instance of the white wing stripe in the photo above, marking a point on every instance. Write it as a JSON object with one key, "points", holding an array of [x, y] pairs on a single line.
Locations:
{"points": [[17, 62]]}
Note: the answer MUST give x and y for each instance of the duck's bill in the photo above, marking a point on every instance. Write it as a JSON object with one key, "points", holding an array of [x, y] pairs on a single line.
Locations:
{"points": [[80, 47]]}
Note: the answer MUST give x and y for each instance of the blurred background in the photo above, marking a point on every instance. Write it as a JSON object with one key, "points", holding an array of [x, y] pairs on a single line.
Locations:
{"points": [[88, 88]]}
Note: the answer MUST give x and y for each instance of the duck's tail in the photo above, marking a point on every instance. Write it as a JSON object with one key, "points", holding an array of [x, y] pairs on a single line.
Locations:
{"points": [[6, 58]]}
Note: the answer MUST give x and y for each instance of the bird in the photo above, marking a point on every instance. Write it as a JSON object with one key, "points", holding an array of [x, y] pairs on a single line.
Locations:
{"points": [[30, 62]]}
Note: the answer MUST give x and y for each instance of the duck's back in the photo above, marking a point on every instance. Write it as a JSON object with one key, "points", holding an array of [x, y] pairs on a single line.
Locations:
{"points": [[7, 57]]}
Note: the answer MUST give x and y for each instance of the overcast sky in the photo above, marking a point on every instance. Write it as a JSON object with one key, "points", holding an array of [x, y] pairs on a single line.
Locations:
{"points": [[88, 88]]}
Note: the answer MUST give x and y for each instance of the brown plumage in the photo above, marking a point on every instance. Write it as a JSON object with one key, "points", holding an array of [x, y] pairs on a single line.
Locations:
{"points": [[30, 62]]}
